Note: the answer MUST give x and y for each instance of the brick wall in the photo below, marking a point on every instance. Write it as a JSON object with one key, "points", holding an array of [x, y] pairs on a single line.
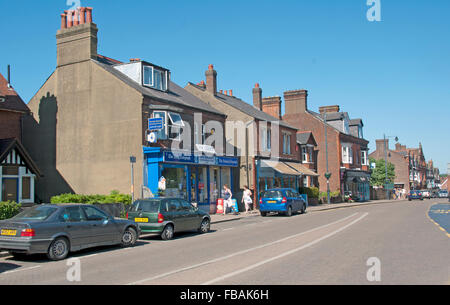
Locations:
{"points": [[10, 125]]}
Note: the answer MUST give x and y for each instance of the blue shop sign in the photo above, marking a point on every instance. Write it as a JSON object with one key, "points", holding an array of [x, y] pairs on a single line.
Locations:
{"points": [[178, 157], [228, 161]]}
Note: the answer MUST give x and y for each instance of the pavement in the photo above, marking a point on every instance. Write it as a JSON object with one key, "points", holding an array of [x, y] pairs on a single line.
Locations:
{"points": [[219, 218]]}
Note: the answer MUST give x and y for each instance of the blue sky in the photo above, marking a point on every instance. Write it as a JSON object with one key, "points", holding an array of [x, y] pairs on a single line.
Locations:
{"points": [[394, 74]]}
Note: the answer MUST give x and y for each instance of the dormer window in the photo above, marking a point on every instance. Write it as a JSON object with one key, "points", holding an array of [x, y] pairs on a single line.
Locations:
{"points": [[155, 78]]}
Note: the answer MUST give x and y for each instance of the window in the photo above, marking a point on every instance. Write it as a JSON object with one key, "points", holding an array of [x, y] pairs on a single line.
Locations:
{"points": [[94, 214], [71, 214], [161, 134], [10, 170], [176, 124], [304, 154], [263, 139], [155, 78], [364, 159], [269, 140], [347, 155], [287, 144]]}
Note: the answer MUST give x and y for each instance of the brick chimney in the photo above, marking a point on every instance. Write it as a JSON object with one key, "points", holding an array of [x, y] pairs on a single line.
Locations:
{"points": [[257, 97], [296, 101], [272, 106], [380, 145], [211, 80], [76, 41], [329, 109]]}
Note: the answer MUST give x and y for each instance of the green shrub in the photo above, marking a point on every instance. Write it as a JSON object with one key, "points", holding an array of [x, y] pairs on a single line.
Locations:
{"points": [[312, 192], [113, 197], [9, 209]]}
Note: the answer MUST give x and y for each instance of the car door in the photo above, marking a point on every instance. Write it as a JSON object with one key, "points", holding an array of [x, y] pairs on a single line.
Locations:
{"points": [[103, 229], [176, 214], [192, 218], [73, 223], [296, 200], [291, 200]]}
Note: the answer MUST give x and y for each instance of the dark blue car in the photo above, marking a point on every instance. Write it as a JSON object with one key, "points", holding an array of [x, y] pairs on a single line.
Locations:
{"points": [[415, 195], [282, 200]]}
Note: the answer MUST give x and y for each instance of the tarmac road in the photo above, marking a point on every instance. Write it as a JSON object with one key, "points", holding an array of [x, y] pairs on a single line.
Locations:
{"points": [[336, 246]]}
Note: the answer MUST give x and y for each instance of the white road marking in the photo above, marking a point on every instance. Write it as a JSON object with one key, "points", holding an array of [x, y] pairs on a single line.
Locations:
{"points": [[284, 254], [238, 253], [24, 269]]}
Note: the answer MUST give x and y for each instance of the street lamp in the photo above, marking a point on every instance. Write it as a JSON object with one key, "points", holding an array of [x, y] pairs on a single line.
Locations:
{"points": [[385, 162], [132, 161]]}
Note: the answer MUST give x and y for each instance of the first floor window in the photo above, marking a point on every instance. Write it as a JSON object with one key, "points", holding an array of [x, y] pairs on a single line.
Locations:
{"points": [[364, 159]]}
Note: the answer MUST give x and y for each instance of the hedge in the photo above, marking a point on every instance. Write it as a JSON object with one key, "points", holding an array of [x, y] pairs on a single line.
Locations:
{"points": [[113, 197], [9, 209]]}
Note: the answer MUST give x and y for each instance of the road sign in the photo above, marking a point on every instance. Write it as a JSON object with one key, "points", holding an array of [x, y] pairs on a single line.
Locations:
{"points": [[152, 137], [155, 124]]}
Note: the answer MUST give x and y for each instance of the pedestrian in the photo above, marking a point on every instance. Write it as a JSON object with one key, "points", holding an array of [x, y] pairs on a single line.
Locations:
{"points": [[247, 198], [227, 198]]}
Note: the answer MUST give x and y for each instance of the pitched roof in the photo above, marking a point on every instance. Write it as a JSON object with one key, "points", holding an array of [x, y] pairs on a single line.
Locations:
{"points": [[245, 107], [7, 145], [303, 138], [12, 99], [356, 122], [176, 94]]}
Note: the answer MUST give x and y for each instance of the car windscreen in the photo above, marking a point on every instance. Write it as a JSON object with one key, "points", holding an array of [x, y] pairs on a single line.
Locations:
{"points": [[272, 194], [35, 213], [148, 206]]}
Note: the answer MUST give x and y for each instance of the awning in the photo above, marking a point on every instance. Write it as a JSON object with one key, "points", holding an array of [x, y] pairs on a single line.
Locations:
{"points": [[280, 167], [302, 169]]}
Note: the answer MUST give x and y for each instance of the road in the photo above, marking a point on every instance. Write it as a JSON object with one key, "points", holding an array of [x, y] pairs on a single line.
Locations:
{"points": [[324, 247]]}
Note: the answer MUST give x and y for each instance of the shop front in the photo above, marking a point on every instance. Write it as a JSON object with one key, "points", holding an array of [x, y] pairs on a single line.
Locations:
{"points": [[198, 179], [277, 174], [358, 183]]}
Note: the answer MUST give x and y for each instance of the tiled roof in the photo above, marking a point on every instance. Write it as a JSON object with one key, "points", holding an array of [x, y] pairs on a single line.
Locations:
{"points": [[246, 108], [176, 94], [12, 99]]}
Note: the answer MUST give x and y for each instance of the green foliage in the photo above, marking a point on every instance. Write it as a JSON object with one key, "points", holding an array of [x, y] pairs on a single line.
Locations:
{"points": [[113, 197], [378, 177], [312, 192], [9, 209]]}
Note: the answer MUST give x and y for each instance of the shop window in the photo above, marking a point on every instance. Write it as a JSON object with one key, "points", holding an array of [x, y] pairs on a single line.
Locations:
{"points": [[175, 182]]}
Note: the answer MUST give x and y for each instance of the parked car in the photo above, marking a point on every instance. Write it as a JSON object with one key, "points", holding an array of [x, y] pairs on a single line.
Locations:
{"points": [[415, 195], [426, 194], [59, 229], [443, 194], [167, 216], [281, 200]]}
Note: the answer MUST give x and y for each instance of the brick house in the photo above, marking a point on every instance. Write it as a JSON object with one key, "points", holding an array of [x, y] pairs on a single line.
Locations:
{"points": [[266, 145], [92, 116], [347, 148], [18, 171]]}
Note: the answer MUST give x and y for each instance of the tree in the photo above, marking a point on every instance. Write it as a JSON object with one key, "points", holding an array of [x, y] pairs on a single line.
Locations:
{"points": [[378, 177]]}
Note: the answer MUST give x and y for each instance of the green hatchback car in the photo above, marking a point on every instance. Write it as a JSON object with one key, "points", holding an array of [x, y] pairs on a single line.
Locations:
{"points": [[166, 216]]}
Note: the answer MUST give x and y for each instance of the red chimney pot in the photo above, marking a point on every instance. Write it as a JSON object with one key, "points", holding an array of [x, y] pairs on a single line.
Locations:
{"points": [[257, 85], [88, 14], [210, 67], [63, 21], [82, 15]]}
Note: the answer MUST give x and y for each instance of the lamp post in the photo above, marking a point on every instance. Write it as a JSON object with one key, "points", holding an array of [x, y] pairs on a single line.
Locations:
{"points": [[132, 161], [385, 162]]}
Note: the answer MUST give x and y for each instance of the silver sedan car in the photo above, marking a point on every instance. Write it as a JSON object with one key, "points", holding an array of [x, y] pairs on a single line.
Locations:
{"points": [[59, 229]]}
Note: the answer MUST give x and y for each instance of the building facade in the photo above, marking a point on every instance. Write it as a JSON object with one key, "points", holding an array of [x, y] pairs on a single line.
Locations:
{"points": [[92, 126], [341, 147], [18, 171]]}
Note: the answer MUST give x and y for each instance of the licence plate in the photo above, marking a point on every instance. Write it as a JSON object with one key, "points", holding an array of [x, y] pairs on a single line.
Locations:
{"points": [[272, 201], [141, 220], [9, 232]]}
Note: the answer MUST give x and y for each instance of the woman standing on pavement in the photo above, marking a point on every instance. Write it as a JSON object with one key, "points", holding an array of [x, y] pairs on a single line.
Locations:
{"points": [[247, 198], [227, 196]]}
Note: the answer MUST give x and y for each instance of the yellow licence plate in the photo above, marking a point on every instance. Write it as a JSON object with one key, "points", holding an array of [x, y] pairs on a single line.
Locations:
{"points": [[141, 220], [271, 201], [9, 232]]}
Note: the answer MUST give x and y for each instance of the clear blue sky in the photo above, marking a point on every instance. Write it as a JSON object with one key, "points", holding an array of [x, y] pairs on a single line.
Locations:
{"points": [[393, 74]]}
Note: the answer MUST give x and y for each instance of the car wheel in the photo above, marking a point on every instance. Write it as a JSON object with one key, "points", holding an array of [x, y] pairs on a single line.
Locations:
{"points": [[263, 214], [289, 212], [303, 211], [205, 226], [167, 233], [129, 237], [59, 249]]}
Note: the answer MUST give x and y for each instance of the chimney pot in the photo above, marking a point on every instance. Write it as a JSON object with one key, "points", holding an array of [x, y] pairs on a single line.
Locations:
{"points": [[257, 85], [82, 12], [211, 67], [221, 91], [69, 18], [76, 18], [231, 92], [88, 14], [63, 21], [226, 92]]}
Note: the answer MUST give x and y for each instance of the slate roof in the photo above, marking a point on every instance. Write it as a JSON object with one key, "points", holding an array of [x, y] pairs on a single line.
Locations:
{"points": [[176, 94], [303, 138], [12, 99], [246, 108]]}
